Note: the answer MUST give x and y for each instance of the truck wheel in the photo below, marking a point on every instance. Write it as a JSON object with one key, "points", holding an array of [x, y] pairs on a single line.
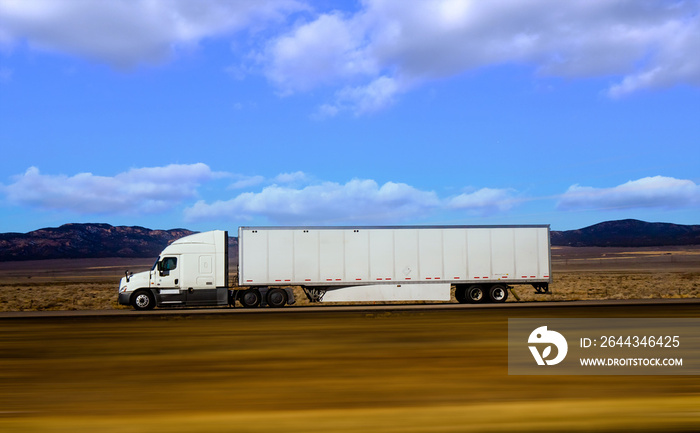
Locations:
{"points": [[276, 298], [498, 293], [251, 298], [476, 294], [461, 294], [143, 300]]}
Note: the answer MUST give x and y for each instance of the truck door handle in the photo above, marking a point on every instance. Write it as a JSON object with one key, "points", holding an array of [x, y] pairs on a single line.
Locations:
{"points": [[176, 280]]}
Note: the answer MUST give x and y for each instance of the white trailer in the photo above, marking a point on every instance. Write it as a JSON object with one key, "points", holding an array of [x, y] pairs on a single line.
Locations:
{"points": [[355, 264]]}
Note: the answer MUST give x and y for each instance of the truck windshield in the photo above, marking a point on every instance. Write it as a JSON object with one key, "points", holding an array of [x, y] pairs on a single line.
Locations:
{"points": [[155, 264]]}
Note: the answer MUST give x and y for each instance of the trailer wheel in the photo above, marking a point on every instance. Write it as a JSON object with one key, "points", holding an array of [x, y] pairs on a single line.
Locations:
{"points": [[251, 298], [498, 293], [143, 300], [276, 298], [461, 294], [476, 294]]}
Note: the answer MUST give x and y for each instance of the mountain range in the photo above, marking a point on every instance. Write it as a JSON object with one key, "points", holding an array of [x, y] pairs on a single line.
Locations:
{"points": [[71, 241], [74, 241], [628, 233]]}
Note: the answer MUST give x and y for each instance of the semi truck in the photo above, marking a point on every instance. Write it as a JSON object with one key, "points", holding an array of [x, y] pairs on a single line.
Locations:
{"points": [[345, 264]]}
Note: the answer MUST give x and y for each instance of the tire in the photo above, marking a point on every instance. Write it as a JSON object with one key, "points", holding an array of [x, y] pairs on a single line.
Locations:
{"points": [[276, 298], [498, 293], [461, 294], [476, 294], [251, 298], [143, 300]]}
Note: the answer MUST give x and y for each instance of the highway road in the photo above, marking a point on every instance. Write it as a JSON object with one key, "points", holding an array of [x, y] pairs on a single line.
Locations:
{"points": [[325, 308]]}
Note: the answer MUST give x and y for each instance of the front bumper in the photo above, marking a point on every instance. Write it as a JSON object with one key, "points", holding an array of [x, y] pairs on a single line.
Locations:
{"points": [[125, 298]]}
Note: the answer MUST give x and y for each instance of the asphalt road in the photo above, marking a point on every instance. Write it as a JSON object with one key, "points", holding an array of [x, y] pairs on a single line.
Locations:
{"points": [[324, 308]]}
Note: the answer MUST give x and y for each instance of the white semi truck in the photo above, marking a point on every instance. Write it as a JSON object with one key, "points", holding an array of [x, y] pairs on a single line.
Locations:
{"points": [[345, 264]]}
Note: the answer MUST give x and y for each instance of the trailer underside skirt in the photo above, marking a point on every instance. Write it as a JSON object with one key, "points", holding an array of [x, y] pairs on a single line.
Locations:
{"points": [[389, 292]]}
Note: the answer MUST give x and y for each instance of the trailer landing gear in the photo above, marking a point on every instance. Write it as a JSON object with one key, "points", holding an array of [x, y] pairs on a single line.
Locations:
{"points": [[541, 288]]}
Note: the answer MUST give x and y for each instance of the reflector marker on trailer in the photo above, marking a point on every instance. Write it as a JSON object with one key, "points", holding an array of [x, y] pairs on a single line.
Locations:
{"points": [[308, 279]]}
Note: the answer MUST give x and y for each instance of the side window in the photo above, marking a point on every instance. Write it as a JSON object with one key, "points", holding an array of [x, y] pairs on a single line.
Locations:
{"points": [[169, 263]]}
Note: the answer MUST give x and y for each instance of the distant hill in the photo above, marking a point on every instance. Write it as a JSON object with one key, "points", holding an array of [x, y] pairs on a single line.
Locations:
{"points": [[72, 241], [628, 233]]}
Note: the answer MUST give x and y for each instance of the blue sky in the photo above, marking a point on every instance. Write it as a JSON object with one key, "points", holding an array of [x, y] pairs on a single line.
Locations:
{"points": [[215, 114]]}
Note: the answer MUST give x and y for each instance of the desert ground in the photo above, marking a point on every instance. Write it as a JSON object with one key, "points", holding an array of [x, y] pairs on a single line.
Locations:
{"points": [[314, 371], [578, 274]]}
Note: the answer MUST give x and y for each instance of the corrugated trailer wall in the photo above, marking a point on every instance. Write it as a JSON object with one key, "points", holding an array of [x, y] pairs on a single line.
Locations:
{"points": [[335, 256]]}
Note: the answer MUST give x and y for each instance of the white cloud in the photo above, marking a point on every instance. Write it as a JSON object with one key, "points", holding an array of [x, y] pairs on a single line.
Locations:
{"points": [[243, 181], [127, 33], [296, 177], [485, 200], [370, 55], [375, 96], [324, 51], [288, 198], [390, 46], [137, 191], [357, 201], [649, 192]]}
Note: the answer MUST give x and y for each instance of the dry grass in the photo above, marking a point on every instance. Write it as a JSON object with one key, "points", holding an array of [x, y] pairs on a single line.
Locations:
{"points": [[578, 274]]}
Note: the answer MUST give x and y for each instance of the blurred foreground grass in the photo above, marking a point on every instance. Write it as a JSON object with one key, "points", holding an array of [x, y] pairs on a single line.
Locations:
{"points": [[433, 371]]}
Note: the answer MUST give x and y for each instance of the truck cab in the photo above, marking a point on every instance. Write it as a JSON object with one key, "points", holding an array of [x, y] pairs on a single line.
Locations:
{"points": [[192, 271]]}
